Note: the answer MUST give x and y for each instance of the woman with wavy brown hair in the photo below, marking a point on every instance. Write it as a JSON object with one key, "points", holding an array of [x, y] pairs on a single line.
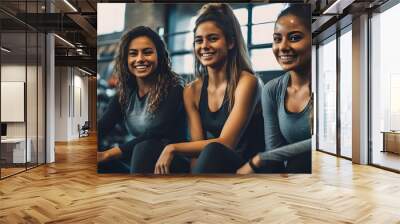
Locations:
{"points": [[149, 102]]}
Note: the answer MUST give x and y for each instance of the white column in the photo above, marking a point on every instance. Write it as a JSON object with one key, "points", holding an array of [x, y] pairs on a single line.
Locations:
{"points": [[360, 90], [50, 98]]}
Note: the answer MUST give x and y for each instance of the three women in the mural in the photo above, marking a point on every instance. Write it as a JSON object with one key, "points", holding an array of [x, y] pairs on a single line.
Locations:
{"points": [[223, 119]]}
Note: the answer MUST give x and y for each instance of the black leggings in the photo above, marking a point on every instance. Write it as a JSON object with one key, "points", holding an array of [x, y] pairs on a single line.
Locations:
{"points": [[142, 158], [217, 158], [145, 155]]}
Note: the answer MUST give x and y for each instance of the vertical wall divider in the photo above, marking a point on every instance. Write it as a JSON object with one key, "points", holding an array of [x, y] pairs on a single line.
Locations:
{"points": [[338, 100], [26, 86], [37, 89], [369, 78], [60, 88], [1, 164], [316, 97]]}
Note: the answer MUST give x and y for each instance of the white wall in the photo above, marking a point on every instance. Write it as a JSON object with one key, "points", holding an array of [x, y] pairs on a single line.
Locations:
{"points": [[61, 103], [71, 94]]}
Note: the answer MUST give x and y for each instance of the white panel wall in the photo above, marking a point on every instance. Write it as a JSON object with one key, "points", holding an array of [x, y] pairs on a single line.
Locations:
{"points": [[71, 102], [61, 103]]}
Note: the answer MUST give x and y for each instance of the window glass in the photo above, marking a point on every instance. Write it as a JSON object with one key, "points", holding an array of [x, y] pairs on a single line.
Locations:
{"points": [[266, 13], [385, 89], [244, 33], [346, 94], [242, 15], [264, 60], [181, 42], [327, 96], [262, 34], [116, 11], [183, 64], [14, 69]]}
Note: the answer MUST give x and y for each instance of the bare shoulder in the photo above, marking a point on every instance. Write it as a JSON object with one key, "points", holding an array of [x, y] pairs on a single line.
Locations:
{"points": [[247, 80], [192, 91]]}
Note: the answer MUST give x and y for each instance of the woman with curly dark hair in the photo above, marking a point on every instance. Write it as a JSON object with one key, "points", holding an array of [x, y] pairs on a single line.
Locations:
{"points": [[149, 102]]}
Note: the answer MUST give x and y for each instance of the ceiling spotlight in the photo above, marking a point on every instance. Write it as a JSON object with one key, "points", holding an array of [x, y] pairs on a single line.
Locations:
{"points": [[337, 7], [5, 50], [70, 5], [84, 71], [64, 40]]}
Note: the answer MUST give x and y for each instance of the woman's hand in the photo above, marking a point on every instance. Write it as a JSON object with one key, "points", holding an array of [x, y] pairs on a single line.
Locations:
{"points": [[164, 161], [246, 168], [102, 156], [109, 154]]}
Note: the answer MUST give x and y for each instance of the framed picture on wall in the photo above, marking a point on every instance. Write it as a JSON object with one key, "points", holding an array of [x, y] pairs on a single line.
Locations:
{"points": [[204, 88]]}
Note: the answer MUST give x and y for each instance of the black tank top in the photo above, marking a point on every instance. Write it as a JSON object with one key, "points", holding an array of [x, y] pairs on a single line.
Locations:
{"points": [[212, 122], [251, 139]]}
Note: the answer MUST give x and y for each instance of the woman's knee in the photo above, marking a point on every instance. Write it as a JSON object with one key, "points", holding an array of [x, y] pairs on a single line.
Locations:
{"points": [[145, 155], [212, 159], [212, 150]]}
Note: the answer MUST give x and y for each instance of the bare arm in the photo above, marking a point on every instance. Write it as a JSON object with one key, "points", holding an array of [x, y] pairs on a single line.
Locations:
{"points": [[245, 102]]}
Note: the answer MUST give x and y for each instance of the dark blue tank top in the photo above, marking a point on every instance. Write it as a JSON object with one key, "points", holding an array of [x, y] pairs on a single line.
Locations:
{"points": [[251, 138]]}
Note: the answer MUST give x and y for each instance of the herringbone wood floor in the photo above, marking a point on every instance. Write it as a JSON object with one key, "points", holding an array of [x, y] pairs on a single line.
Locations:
{"points": [[70, 191]]}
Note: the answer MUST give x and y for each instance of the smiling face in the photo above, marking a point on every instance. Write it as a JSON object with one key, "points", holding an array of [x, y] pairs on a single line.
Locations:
{"points": [[142, 57], [292, 43], [210, 45]]}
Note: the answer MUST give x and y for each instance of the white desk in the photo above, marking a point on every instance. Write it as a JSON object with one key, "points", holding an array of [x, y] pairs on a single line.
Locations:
{"points": [[16, 147]]}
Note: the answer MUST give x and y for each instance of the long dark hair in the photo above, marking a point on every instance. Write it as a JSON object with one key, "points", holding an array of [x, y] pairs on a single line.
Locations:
{"points": [[303, 13], [299, 10], [165, 77], [238, 58]]}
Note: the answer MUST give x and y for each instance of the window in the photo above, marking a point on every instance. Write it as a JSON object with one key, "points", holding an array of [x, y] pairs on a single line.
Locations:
{"points": [[22, 65], [346, 93], [385, 87], [264, 60], [327, 95], [262, 33], [262, 27], [243, 16], [110, 10], [183, 64], [266, 13]]}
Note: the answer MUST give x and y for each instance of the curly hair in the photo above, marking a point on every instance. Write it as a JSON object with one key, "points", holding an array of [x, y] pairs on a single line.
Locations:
{"points": [[165, 77]]}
